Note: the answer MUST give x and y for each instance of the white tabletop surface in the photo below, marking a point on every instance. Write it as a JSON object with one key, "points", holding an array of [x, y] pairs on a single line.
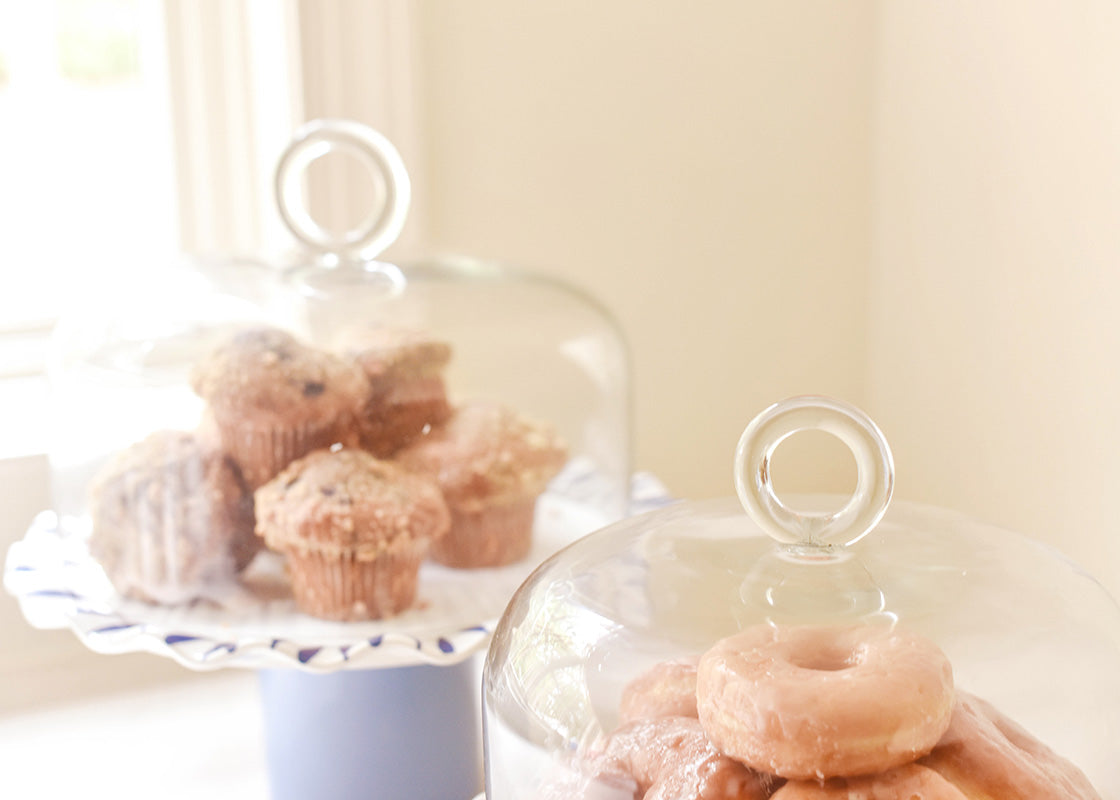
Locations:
{"points": [[201, 740]]}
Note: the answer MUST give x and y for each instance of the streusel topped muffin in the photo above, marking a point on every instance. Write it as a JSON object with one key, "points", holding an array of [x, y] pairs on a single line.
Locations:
{"points": [[406, 394], [491, 464], [355, 531], [273, 399], [172, 519]]}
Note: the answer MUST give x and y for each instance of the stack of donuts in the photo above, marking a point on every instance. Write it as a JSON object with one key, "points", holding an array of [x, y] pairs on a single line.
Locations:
{"points": [[817, 713]]}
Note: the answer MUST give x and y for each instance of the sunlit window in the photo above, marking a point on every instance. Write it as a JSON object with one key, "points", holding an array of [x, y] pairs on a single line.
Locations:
{"points": [[86, 176]]}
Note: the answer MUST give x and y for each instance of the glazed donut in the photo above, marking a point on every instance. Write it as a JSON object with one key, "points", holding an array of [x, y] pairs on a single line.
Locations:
{"points": [[821, 702], [990, 757], [909, 781], [671, 758], [667, 689]]}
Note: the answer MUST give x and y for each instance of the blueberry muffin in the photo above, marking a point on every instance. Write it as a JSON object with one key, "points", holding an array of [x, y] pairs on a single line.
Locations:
{"points": [[406, 391], [271, 399], [172, 519], [354, 529]]}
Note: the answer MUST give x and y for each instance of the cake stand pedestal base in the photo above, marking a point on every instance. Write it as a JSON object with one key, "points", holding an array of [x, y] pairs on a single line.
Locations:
{"points": [[398, 732]]}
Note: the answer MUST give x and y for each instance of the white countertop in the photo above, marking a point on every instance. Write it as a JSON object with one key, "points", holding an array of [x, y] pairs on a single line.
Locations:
{"points": [[196, 740]]}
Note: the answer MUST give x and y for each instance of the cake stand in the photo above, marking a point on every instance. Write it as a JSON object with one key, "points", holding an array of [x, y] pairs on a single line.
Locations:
{"points": [[385, 708], [351, 710]]}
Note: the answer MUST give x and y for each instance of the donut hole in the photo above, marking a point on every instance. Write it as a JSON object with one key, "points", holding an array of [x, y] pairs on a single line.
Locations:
{"points": [[823, 659]]}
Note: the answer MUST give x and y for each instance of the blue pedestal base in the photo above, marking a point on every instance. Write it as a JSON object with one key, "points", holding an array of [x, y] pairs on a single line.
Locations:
{"points": [[406, 732]]}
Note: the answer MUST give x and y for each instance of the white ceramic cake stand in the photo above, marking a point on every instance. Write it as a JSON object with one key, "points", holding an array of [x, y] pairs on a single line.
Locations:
{"points": [[351, 710]]}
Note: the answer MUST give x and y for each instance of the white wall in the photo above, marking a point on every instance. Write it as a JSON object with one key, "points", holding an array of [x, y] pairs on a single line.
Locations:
{"points": [[996, 277]]}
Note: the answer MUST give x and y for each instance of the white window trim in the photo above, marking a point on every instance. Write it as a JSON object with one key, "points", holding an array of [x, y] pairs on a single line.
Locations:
{"points": [[354, 59], [359, 61]]}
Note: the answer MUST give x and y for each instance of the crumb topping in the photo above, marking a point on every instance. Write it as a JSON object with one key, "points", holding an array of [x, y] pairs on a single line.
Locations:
{"points": [[268, 373], [348, 501], [387, 353], [486, 452]]}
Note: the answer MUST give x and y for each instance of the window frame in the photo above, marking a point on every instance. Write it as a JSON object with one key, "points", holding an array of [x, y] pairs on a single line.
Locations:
{"points": [[353, 59]]}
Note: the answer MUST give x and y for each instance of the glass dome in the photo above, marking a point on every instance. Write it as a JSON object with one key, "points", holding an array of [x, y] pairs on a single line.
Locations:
{"points": [[182, 392], [808, 648]]}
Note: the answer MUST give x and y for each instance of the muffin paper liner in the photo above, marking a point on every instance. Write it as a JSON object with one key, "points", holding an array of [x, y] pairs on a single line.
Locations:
{"points": [[347, 588], [491, 536]]}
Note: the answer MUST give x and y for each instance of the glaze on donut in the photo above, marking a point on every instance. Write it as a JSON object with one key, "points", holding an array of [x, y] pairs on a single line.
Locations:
{"points": [[667, 689], [907, 782], [670, 758], [821, 702], [990, 757]]}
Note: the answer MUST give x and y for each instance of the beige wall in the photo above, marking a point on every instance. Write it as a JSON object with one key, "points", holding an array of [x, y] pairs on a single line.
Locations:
{"points": [[912, 205], [995, 342], [703, 168]]}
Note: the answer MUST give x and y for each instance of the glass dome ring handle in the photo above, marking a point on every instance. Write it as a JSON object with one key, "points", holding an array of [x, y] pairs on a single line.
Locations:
{"points": [[381, 227], [874, 472]]}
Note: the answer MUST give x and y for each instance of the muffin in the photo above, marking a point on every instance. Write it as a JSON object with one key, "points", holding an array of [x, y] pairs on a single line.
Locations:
{"points": [[491, 465], [172, 519], [271, 399], [355, 531], [406, 391]]}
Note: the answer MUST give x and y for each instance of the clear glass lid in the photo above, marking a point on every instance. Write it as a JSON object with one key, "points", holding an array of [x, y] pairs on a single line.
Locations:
{"points": [[214, 417], [812, 647]]}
